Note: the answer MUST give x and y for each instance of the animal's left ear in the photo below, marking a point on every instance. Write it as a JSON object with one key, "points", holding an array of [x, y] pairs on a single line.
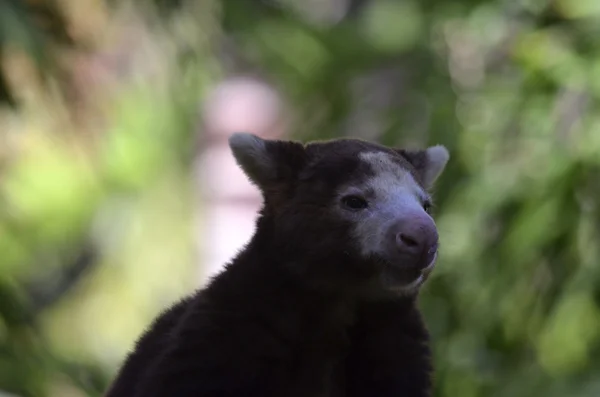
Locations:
{"points": [[429, 163], [267, 163]]}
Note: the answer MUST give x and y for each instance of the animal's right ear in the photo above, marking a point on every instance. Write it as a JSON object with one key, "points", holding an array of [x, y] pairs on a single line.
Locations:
{"points": [[429, 163], [267, 162]]}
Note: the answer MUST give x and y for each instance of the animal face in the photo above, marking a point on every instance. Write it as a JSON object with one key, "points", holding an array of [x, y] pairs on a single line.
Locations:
{"points": [[347, 214]]}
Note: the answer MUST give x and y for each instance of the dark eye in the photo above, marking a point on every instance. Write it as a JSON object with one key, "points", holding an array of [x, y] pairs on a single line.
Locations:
{"points": [[354, 202], [427, 206]]}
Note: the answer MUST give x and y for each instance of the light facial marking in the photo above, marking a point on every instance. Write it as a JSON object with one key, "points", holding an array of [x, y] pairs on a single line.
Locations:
{"points": [[392, 193], [389, 177], [410, 288]]}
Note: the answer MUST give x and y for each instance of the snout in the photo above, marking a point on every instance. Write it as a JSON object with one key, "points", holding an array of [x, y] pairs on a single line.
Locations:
{"points": [[415, 240]]}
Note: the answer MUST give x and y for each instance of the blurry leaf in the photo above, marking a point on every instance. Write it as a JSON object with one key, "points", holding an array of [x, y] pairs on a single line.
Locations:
{"points": [[134, 149], [294, 46], [48, 188], [535, 225], [14, 254], [39, 28], [5, 94], [393, 26], [550, 51], [564, 345], [579, 8]]}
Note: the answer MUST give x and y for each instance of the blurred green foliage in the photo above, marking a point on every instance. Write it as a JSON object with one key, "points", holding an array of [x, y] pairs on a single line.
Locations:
{"points": [[95, 233]]}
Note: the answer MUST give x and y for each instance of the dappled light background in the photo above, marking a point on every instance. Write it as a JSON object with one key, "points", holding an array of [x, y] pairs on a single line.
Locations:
{"points": [[118, 194]]}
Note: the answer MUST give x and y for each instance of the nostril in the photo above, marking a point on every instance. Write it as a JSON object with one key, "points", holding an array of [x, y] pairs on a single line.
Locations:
{"points": [[433, 248], [407, 240]]}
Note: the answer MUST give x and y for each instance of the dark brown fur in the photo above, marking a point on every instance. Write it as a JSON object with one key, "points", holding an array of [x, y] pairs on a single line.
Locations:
{"points": [[289, 316]]}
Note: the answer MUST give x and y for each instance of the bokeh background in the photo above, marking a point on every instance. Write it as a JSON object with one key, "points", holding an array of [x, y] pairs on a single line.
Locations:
{"points": [[118, 194]]}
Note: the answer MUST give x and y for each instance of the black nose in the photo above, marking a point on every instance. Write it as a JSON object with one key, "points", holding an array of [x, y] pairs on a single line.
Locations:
{"points": [[416, 237]]}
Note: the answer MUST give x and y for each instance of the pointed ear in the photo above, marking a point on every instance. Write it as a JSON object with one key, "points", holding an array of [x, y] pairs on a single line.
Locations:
{"points": [[429, 163], [267, 162]]}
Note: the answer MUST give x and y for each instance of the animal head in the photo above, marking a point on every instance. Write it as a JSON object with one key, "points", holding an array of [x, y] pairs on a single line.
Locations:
{"points": [[346, 213]]}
